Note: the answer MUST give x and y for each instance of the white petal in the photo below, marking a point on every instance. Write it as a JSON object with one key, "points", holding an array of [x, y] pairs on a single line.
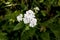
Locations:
{"points": [[19, 17], [33, 22], [26, 21], [31, 25], [30, 12]]}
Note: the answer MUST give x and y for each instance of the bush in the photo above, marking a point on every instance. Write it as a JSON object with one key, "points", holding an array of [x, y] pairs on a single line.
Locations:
{"points": [[47, 15]]}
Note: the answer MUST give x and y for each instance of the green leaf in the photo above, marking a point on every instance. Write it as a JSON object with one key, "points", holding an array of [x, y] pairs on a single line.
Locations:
{"points": [[58, 2], [19, 26], [43, 13], [41, 1], [58, 12], [46, 23], [27, 28], [8, 26], [11, 15], [3, 36], [26, 34], [55, 27], [45, 36]]}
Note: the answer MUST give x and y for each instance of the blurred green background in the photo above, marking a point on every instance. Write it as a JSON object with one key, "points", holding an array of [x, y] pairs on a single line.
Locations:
{"points": [[48, 25]]}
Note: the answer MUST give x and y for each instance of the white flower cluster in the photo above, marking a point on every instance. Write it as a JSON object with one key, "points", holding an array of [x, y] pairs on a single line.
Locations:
{"points": [[29, 18]]}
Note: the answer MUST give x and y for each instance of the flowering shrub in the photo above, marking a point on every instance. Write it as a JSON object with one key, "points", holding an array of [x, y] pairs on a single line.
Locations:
{"points": [[29, 19]]}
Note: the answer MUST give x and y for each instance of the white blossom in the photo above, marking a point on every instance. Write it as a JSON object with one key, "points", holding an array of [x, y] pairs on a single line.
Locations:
{"points": [[29, 18], [30, 12], [33, 22], [26, 20], [19, 17], [29, 15]]}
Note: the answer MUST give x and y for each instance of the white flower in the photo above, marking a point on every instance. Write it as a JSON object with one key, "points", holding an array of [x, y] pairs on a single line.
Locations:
{"points": [[19, 17], [29, 18], [30, 12], [33, 22], [29, 15], [37, 8], [26, 20]]}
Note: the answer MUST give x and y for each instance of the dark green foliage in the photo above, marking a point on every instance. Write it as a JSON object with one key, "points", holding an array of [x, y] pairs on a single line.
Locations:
{"points": [[48, 25]]}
